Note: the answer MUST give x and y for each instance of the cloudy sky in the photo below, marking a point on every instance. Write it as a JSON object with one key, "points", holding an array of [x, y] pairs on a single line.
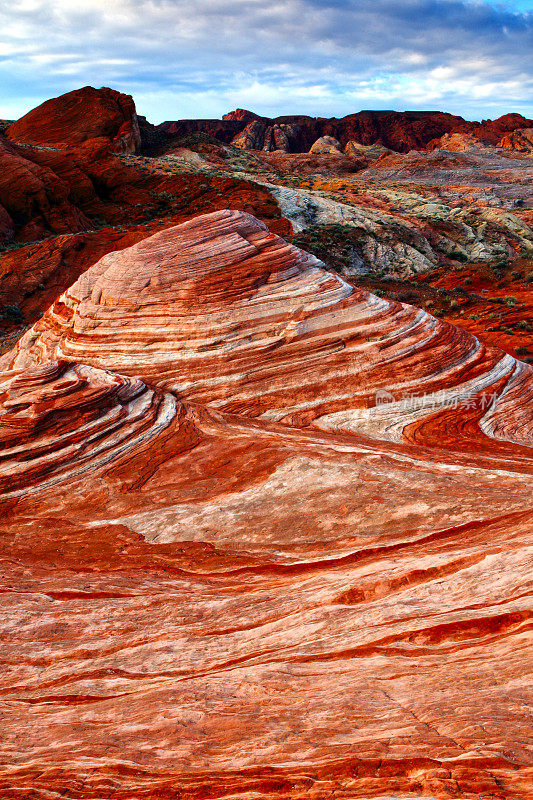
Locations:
{"points": [[201, 58]]}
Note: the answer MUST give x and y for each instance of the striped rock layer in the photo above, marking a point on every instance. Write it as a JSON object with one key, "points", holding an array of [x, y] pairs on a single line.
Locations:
{"points": [[264, 535]]}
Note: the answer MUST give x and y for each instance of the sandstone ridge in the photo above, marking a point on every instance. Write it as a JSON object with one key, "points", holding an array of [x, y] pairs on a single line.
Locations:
{"points": [[269, 534]]}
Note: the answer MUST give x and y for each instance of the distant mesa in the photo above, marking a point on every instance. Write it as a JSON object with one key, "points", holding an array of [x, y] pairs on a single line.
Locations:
{"points": [[399, 131], [241, 115]]}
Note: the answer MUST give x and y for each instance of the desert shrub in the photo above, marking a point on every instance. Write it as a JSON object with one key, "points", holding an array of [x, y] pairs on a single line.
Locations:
{"points": [[521, 351], [510, 300]]}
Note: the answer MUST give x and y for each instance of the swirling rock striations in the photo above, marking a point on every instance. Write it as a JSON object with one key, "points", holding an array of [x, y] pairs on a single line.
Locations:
{"points": [[225, 313], [263, 535]]}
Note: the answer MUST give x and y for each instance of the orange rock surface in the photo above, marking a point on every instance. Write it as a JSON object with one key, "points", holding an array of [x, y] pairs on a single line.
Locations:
{"points": [[264, 535]]}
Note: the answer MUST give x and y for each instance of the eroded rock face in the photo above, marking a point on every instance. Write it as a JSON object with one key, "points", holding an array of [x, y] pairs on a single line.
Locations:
{"points": [[521, 140], [398, 131], [325, 145], [258, 135], [79, 116], [456, 142], [264, 534], [370, 152], [33, 198]]}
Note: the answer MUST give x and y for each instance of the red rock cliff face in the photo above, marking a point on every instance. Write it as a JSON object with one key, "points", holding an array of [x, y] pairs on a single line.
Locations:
{"points": [[74, 118], [263, 535], [400, 131]]}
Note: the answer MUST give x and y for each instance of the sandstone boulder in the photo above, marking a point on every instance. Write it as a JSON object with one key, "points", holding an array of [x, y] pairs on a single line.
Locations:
{"points": [[326, 145], [370, 152], [455, 142], [75, 117]]}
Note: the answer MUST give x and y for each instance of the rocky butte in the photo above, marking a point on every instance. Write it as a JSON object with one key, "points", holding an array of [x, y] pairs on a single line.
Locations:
{"points": [[264, 535]]}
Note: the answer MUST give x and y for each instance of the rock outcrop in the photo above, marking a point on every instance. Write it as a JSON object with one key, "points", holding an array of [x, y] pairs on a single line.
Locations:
{"points": [[371, 152], [258, 135], [397, 131], [456, 142], [33, 199], [263, 534], [241, 115], [326, 145], [79, 116], [521, 140]]}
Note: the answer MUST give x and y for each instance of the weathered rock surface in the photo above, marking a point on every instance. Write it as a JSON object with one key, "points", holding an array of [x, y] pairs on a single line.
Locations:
{"points": [[325, 145], [521, 140], [241, 115], [371, 152], [33, 198], [399, 131], [201, 601], [258, 135], [456, 142], [79, 116]]}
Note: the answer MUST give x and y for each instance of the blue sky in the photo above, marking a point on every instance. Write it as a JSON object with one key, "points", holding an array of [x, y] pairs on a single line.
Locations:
{"points": [[184, 59]]}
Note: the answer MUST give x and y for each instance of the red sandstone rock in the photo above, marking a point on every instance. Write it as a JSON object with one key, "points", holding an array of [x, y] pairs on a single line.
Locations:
{"points": [[81, 115], [241, 115], [258, 135], [32, 198], [370, 152], [398, 131], [521, 140], [326, 145], [304, 164], [455, 142], [202, 601]]}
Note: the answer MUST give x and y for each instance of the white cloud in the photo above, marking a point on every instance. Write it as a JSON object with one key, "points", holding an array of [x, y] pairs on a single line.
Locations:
{"points": [[297, 56]]}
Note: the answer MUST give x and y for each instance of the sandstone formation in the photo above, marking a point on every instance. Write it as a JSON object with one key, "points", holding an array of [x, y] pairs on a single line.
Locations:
{"points": [[263, 535], [371, 152], [33, 198], [326, 145], [79, 116], [398, 131], [521, 140], [258, 135], [241, 115], [456, 142]]}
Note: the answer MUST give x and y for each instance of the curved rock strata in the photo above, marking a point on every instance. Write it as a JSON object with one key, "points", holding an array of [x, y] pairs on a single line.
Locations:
{"points": [[263, 535]]}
